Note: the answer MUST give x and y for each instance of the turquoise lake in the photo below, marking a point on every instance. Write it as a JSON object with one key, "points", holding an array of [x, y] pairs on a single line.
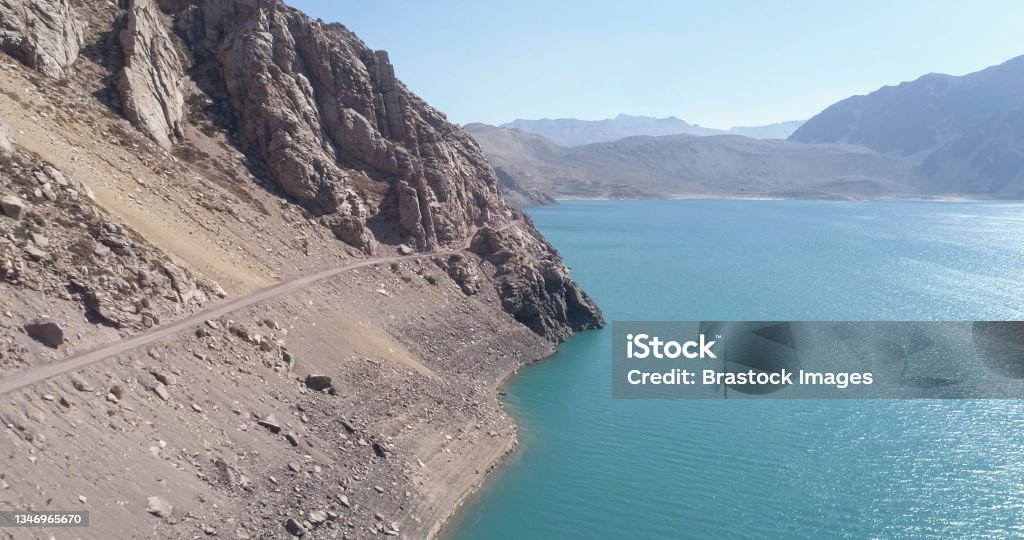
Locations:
{"points": [[592, 467]]}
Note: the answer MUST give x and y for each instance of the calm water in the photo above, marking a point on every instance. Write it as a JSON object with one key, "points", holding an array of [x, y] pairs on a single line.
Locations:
{"points": [[593, 467]]}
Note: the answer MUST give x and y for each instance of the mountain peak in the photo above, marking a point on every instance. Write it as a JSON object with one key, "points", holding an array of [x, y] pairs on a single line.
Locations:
{"points": [[961, 130]]}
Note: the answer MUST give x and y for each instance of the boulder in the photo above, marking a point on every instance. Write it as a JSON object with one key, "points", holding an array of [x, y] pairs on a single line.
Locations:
{"points": [[161, 392], [34, 252], [317, 517], [159, 507], [167, 379], [317, 382], [81, 384], [288, 359], [39, 240], [14, 207], [294, 527], [45, 331], [57, 176], [271, 423]]}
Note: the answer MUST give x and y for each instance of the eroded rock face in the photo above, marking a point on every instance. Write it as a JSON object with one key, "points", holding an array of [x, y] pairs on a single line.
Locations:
{"points": [[462, 272], [151, 82], [337, 131], [43, 34], [324, 118], [533, 283]]}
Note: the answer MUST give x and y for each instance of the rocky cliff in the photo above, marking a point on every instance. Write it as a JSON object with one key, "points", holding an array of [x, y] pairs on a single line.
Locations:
{"points": [[150, 83], [314, 111], [533, 283], [327, 120], [44, 34]]}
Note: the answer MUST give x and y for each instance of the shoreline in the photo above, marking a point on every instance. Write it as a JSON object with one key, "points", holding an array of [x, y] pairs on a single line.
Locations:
{"points": [[443, 525]]}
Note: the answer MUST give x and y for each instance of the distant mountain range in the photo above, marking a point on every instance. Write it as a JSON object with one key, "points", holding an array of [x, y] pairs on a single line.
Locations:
{"points": [[964, 134], [937, 136], [684, 166], [573, 132]]}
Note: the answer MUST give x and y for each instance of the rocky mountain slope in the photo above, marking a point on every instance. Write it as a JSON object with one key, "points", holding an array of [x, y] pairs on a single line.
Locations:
{"points": [[159, 156], [573, 132], [689, 166], [962, 133]]}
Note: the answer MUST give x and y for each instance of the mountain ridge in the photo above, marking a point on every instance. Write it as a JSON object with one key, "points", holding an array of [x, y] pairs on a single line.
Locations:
{"points": [[692, 166], [958, 130], [938, 136], [575, 132]]}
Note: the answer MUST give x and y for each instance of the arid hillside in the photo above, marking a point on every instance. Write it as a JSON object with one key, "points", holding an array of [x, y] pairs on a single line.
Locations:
{"points": [[160, 159]]}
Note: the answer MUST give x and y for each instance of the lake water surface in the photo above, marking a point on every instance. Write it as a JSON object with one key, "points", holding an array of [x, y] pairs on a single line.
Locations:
{"points": [[593, 467]]}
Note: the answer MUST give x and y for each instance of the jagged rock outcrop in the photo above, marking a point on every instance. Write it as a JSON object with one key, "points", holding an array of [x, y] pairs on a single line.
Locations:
{"points": [[45, 35], [323, 117], [151, 82], [334, 129], [462, 272], [337, 131], [533, 283]]}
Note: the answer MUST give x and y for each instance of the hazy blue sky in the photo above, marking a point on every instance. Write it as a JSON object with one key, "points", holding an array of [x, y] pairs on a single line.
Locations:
{"points": [[716, 63]]}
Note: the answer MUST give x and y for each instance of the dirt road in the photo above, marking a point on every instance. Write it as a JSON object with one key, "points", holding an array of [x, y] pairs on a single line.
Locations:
{"points": [[104, 352]]}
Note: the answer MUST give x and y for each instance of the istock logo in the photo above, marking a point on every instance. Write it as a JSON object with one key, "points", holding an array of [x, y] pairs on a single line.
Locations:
{"points": [[644, 346]]}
